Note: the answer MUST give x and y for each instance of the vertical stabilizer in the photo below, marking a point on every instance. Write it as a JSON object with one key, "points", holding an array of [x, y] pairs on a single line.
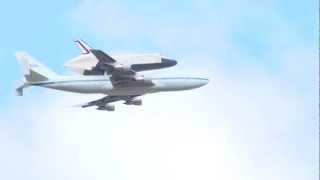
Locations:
{"points": [[84, 47], [33, 70]]}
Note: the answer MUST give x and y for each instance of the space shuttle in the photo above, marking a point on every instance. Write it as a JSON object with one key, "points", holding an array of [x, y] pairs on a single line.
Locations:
{"points": [[87, 63]]}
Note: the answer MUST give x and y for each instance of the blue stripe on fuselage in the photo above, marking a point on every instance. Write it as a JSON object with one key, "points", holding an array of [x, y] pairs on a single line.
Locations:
{"points": [[107, 80]]}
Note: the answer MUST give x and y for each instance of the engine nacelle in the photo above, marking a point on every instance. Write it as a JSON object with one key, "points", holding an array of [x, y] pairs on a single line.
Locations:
{"points": [[106, 108], [139, 78], [136, 102], [122, 68]]}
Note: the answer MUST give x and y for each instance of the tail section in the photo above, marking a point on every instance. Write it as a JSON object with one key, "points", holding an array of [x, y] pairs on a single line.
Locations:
{"points": [[33, 70]]}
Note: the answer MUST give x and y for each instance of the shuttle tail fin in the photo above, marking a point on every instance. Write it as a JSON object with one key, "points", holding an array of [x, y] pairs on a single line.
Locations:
{"points": [[84, 47]]}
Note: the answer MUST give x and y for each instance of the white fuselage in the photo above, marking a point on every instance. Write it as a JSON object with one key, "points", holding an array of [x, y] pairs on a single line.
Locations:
{"points": [[102, 85]]}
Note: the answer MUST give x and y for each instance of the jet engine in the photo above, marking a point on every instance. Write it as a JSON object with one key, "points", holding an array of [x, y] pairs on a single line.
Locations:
{"points": [[122, 68], [137, 102], [107, 107]]}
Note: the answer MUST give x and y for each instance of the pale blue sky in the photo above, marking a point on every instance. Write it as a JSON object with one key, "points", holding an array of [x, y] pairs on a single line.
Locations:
{"points": [[44, 29], [262, 57]]}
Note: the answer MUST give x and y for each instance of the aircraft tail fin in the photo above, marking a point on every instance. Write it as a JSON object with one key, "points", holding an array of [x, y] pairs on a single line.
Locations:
{"points": [[33, 70]]}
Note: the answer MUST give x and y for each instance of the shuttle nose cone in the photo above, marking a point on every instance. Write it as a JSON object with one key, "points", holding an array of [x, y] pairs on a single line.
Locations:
{"points": [[168, 62]]}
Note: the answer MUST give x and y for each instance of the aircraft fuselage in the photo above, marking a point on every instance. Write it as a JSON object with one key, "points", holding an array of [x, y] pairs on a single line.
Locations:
{"points": [[102, 85]]}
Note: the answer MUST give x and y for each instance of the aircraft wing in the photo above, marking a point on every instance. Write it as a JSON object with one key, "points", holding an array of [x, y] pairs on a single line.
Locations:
{"points": [[103, 103]]}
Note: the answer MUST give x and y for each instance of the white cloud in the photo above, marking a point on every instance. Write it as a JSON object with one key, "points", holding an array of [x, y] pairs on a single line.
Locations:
{"points": [[193, 27], [202, 31], [235, 128], [77, 144]]}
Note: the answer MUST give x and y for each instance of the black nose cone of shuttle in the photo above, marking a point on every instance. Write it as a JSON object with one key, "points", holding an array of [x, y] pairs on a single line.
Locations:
{"points": [[168, 62]]}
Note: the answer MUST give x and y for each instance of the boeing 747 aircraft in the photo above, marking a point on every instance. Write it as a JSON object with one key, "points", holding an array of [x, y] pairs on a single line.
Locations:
{"points": [[104, 74]]}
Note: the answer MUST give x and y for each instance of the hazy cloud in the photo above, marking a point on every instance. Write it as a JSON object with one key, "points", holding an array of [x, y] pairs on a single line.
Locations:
{"points": [[238, 127]]}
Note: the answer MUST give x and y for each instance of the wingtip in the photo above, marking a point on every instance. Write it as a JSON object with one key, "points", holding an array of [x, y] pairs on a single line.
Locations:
{"points": [[77, 105]]}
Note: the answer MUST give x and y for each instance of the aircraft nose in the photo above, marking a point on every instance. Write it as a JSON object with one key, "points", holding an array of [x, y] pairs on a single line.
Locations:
{"points": [[168, 62], [196, 82], [202, 82]]}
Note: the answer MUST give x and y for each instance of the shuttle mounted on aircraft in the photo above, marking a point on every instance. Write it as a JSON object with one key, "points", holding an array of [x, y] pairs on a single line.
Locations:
{"points": [[115, 76], [89, 58]]}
